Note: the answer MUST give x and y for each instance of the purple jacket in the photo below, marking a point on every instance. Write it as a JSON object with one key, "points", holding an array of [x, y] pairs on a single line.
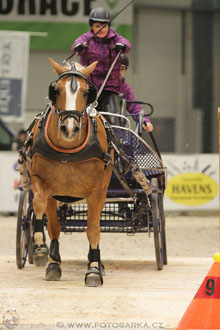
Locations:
{"points": [[132, 108], [100, 50]]}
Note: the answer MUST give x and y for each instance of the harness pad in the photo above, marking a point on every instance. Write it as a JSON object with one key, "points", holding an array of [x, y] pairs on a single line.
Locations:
{"points": [[90, 151]]}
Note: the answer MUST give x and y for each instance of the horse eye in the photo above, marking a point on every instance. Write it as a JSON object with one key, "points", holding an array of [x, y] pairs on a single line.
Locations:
{"points": [[85, 93]]}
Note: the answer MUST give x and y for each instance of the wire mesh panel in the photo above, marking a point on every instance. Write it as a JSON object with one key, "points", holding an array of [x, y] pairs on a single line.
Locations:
{"points": [[140, 152], [116, 217], [123, 134]]}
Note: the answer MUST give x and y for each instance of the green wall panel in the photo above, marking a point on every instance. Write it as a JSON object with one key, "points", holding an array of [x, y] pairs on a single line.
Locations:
{"points": [[60, 35]]}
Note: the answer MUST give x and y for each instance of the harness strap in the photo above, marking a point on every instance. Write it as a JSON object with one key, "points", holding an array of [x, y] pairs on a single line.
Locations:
{"points": [[123, 181], [110, 135]]}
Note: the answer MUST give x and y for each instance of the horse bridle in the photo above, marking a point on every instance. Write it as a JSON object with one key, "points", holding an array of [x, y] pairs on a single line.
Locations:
{"points": [[76, 114]]}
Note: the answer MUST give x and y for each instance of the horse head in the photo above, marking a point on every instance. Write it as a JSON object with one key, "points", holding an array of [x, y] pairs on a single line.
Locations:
{"points": [[70, 94]]}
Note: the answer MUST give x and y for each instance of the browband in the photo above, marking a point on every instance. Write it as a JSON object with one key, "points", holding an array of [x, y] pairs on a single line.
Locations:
{"points": [[78, 74], [73, 73]]}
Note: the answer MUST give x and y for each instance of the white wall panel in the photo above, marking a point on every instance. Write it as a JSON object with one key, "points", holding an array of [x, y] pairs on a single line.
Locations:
{"points": [[158, 70]]}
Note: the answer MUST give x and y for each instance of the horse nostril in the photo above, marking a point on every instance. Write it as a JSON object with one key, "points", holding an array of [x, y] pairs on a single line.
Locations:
{"points": [[67, 131], [63, 129]]}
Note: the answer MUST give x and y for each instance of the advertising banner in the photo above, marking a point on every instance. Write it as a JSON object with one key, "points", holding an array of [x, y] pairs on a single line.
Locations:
{"points": [[8, 177], [192, 182], [62, 20], [14, 61]]}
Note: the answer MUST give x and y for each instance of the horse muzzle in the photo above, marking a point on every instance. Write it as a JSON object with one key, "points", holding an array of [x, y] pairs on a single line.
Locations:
{"points": [[70, 123], [70, 128]]}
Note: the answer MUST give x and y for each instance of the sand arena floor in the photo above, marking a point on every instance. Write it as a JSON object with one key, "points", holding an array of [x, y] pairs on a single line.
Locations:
{"points": [[134, 295]]}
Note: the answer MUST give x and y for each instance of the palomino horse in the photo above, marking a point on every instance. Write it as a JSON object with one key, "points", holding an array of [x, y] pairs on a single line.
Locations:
{"points": [[65, 170]]}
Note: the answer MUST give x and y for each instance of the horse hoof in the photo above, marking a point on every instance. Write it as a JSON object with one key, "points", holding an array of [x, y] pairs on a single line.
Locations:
{"points": [[93, 277], [53, 272], [93, 280], [40, 255]]}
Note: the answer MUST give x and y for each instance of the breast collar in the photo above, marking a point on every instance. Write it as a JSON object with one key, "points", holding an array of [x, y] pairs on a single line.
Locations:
{"points": [[90, 150]]}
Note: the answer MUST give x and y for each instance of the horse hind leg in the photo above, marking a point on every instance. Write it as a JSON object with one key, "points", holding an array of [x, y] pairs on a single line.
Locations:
{"points": [[40, 249]]}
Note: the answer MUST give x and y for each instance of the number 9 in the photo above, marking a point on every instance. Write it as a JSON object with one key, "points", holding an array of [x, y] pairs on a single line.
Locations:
{"points": [[210, 286]]}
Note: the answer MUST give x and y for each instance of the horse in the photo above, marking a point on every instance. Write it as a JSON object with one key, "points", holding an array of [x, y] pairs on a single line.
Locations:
{"points": [[70, 167]]}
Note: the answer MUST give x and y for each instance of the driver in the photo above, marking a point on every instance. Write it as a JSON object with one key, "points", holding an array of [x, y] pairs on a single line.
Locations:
{"points": [[103, 48]]}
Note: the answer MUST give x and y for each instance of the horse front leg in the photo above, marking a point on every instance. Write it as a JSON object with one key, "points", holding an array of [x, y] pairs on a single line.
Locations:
{"points": [[40, 249], [53, 271], [94, 273]]}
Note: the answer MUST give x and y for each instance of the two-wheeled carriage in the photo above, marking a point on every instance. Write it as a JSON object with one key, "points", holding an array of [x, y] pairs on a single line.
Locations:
{"points": [[134, 202]]}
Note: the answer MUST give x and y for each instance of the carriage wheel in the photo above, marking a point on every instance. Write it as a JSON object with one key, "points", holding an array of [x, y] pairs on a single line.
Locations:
{"points": [[158, 225], [23, 231]]}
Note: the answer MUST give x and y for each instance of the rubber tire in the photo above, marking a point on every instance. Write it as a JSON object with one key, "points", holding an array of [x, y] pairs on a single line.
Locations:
{"points": [[158, 226], [163, 227], [22, 235], [30, 245]]}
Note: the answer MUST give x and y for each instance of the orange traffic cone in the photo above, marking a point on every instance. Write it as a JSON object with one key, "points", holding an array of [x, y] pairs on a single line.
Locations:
{"points": [[204, 310]]}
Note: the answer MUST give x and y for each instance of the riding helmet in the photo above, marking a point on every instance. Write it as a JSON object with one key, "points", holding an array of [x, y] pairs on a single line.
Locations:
{"points": [[124, 60], [99, 15]]}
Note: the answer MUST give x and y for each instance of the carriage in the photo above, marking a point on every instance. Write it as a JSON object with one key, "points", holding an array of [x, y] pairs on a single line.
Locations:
{"points": [[134, 199]]}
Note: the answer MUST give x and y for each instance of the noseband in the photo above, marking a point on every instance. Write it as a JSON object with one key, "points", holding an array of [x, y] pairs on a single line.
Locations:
{"points": [[75, 114]]}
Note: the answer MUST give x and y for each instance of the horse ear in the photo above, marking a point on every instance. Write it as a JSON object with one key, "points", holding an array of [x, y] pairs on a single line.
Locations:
{"points": [[87, 71], [57, 67]]}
